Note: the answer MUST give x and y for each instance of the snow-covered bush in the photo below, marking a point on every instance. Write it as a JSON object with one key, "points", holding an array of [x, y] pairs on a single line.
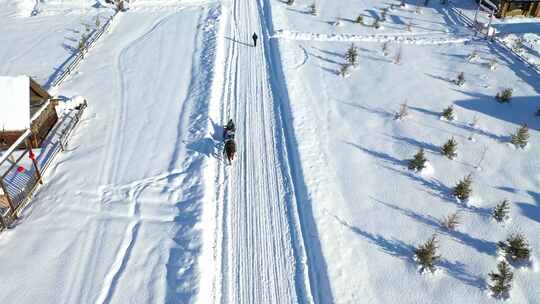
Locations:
{"points": [[449, 148], [521, 138], [403, 111], [472, 56], [516, 248], [399, 56], [451, 221], [360, 19], [409, 26], [426, 255], [504, 96], [501, 210], [492, 64], [501, 282], [463, 188], [448, 113], [385, 47], [418, 163]]}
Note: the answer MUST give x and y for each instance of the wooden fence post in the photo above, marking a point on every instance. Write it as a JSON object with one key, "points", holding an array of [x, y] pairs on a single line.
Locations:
{"points": [[34, 162]]}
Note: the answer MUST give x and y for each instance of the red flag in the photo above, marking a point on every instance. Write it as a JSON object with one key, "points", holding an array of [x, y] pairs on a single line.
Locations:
{"points": [[31, 154], [20, 169]]}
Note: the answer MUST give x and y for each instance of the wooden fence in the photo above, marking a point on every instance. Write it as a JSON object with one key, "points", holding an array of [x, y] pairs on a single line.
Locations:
{"points": [[21, 171], [76, 61]]}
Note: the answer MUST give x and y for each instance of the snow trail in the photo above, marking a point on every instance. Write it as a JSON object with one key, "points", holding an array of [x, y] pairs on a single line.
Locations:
{"points": [[261, 245]]}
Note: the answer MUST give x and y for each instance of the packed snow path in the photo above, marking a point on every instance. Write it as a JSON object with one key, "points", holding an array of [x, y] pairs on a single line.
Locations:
{"points": [[261, 246]]}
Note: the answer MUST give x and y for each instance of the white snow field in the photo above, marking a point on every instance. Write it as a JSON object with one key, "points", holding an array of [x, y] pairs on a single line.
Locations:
{"points": [[369, 210], [318, 205], [119, 219]]}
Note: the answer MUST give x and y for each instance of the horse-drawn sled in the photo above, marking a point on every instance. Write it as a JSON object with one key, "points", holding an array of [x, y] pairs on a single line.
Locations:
{"points": [[229, 149]]}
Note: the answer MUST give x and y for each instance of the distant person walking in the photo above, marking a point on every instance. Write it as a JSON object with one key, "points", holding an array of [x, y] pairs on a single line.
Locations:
{"points": [[255, 37]]}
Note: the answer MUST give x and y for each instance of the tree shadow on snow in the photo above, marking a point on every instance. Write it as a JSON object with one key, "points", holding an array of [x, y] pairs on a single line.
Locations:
{"points": [[480, 245], [377, 111], [417, 143], [520, 110], [380, 155], [392, 247], [530, 210]]}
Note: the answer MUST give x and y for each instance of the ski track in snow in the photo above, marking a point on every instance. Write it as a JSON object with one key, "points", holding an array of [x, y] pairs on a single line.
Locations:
{"points": [[259, 253]]}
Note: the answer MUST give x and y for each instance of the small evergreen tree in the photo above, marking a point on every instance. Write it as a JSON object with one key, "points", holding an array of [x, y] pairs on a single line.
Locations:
{"points": [[500, 212], [98, 22], [449, 148], [383, 14], [521, 138], [290, 2], [516, 248], [451, 221], [463, 189], [314, 10], [418, 163], [448, 113], [426, 254], [352, 55], [501, 282], [403, 111], [460, 79], [360, 19], [504, 96]]}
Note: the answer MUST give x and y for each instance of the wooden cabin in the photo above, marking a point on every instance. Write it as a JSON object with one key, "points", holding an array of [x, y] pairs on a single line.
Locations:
{"points": [[517, 8], [21, 98]]}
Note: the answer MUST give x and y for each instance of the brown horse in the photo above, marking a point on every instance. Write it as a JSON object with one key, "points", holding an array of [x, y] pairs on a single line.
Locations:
{"points": [[230, 149]]}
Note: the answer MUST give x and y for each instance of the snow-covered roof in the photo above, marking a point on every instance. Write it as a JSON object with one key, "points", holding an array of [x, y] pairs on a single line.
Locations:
{"points": [[14, 103]]}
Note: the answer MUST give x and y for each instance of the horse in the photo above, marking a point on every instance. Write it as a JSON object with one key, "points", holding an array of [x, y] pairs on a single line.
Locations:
{"points": [[230, 149]]}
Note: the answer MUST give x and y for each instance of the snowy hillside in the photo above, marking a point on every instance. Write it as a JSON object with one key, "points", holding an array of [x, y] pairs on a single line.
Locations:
{"points": [[319, 205]]}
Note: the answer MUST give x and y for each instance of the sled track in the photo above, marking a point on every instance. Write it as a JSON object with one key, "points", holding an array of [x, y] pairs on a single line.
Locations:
{"points": [[259, 241]]}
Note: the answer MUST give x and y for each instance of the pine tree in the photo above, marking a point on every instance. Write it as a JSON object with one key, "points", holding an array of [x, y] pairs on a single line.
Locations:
{"points": [[98, 22], [451, 221], [460, 79], [352, 55], [290, 2], [516, 248], [418, 163], [521, 138], [426, 254], [500, 212], [501, 282], [463, 189], [504, 96], [449, 148], [448, 113], [360, 19]]}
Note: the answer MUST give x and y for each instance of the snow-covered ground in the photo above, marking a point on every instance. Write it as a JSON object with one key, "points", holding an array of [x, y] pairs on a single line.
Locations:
{"points": [[369, 210], [120, 216], [318, 206]]}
